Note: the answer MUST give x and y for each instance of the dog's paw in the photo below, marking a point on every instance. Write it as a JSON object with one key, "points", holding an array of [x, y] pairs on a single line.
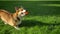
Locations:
{"points": [[5, 23], [17, 28]]}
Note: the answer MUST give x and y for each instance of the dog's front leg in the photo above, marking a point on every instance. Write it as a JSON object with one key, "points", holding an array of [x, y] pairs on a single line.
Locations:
{"points": [[16, 27]]}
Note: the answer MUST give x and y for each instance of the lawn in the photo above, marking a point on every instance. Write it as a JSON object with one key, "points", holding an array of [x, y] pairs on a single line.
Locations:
{"points": [[43, 17]]}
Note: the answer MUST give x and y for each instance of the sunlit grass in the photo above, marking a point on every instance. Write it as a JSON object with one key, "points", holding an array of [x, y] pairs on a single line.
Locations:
{"points": [[57, 5], [44, 19]]}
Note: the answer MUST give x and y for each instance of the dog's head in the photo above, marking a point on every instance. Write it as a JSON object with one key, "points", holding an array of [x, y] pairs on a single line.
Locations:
{"points": [[21, 11]]}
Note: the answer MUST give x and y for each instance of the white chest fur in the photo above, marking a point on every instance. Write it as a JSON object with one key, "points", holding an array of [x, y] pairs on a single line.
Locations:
{"points": [[19, 20]]}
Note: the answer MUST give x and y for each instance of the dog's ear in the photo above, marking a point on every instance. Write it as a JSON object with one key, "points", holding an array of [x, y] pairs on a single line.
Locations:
{"points": [[21, 6]]}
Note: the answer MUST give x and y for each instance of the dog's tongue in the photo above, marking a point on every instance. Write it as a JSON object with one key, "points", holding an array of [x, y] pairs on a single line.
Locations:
{"points": [[26, 13]]}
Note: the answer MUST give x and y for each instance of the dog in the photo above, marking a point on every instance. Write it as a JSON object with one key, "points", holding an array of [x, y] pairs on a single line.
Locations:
{"points": [[13, 19]]}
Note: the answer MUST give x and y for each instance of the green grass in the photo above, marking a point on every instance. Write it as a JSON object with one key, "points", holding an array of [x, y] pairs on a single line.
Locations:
{"points": [[43, 17]]}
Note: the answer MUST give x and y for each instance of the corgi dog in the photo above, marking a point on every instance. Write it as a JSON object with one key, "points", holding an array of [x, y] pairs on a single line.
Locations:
{"points": [[13, 19]]}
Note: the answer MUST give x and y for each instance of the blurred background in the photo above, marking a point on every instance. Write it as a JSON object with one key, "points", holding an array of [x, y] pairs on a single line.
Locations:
{"points": [[43, 17]]}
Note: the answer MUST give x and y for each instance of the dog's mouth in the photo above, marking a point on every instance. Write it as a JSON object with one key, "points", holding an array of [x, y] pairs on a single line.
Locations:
{"points": [[26, 13]]}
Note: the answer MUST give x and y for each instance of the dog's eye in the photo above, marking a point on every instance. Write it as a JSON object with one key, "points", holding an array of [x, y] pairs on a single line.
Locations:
{"points": [[21, 13]]}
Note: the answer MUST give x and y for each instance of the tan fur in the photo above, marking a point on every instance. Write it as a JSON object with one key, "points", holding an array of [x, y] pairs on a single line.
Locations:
{"points": [[7, 17], [12, 19]]}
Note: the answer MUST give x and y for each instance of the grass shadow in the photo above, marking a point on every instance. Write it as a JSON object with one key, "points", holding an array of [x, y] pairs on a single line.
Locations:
{"points": [[31, 23]]}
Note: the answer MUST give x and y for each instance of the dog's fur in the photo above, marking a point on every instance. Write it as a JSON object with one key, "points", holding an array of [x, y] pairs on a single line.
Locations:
{"points": [[13, 19]]}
